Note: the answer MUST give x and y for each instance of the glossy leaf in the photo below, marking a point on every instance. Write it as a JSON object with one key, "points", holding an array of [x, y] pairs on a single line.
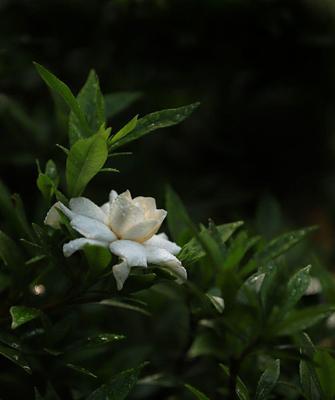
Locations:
{"points": [[156, 120], [85, 159], [268, 381], [21, 315], [92, 104], [119, 387], [81, 370], [296, 288]]}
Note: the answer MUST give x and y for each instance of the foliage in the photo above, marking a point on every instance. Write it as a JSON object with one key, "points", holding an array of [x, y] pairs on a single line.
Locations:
{"points": [[241, 326]]}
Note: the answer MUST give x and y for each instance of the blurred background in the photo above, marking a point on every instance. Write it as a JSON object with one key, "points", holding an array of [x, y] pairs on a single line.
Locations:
{"points": [[261, 146]]}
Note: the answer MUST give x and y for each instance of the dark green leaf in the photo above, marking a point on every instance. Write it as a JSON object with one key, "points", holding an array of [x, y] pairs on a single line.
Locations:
{"points": [[120, 304], [21, 315], [91, 102], [296, 288], [326, 372], [241, 389], [178, 220], [81, 370], [85, 159], [16, 357], [156, 120], [64, 91], [119, 387], [299, 320], [197, 394], [268, 381]]}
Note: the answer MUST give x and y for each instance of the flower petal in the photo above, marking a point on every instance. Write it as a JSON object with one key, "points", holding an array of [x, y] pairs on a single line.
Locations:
{"points": [[105, 208], [121, 272], [124, 214], [142, 231], [92, 229], [147, 204], [86, 207], [163, 258], [112, 196], [77, 244], [53, 218], [163, 242], [132, 252]]}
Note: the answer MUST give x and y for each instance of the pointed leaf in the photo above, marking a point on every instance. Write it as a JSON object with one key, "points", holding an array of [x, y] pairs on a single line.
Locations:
{"points": [[197, 394], [91, 102], [241, 389], [85, 159], [64, 91], [157, 120]]}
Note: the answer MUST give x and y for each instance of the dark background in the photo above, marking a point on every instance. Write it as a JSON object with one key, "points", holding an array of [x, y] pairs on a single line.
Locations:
{"points": [[264, 71]]}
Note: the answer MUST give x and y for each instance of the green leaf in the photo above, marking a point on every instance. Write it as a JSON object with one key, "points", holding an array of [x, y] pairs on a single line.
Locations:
{"points": [[282, 244], [85, 159], [98, 257], [102, 338], [64, 91], [16, 357], [121, 304], [192, 251], [326, 372], [178, 220], [268, 380], [81, 370], [157, 120], [119, 387], [123, 132], [309, 382], [299, 320], [11, 255], [241, 389], [197, 394], [21, 315], [91, 102], [119, 101], [296, 288], [48, 181]]}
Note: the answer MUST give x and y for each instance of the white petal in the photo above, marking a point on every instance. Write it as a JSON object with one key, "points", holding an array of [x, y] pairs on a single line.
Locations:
{"points": [[112, 196], [124, 214], [163, 258], [53, 218], [86, 207], [132, 252], [77, 244], [163, 242], [121, 272], [105, 208], [142, 231], [148, 204], [92, 229]]}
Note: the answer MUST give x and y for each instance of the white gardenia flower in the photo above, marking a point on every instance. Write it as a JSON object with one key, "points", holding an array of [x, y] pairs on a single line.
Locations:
{"points": [[126, 226]]}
